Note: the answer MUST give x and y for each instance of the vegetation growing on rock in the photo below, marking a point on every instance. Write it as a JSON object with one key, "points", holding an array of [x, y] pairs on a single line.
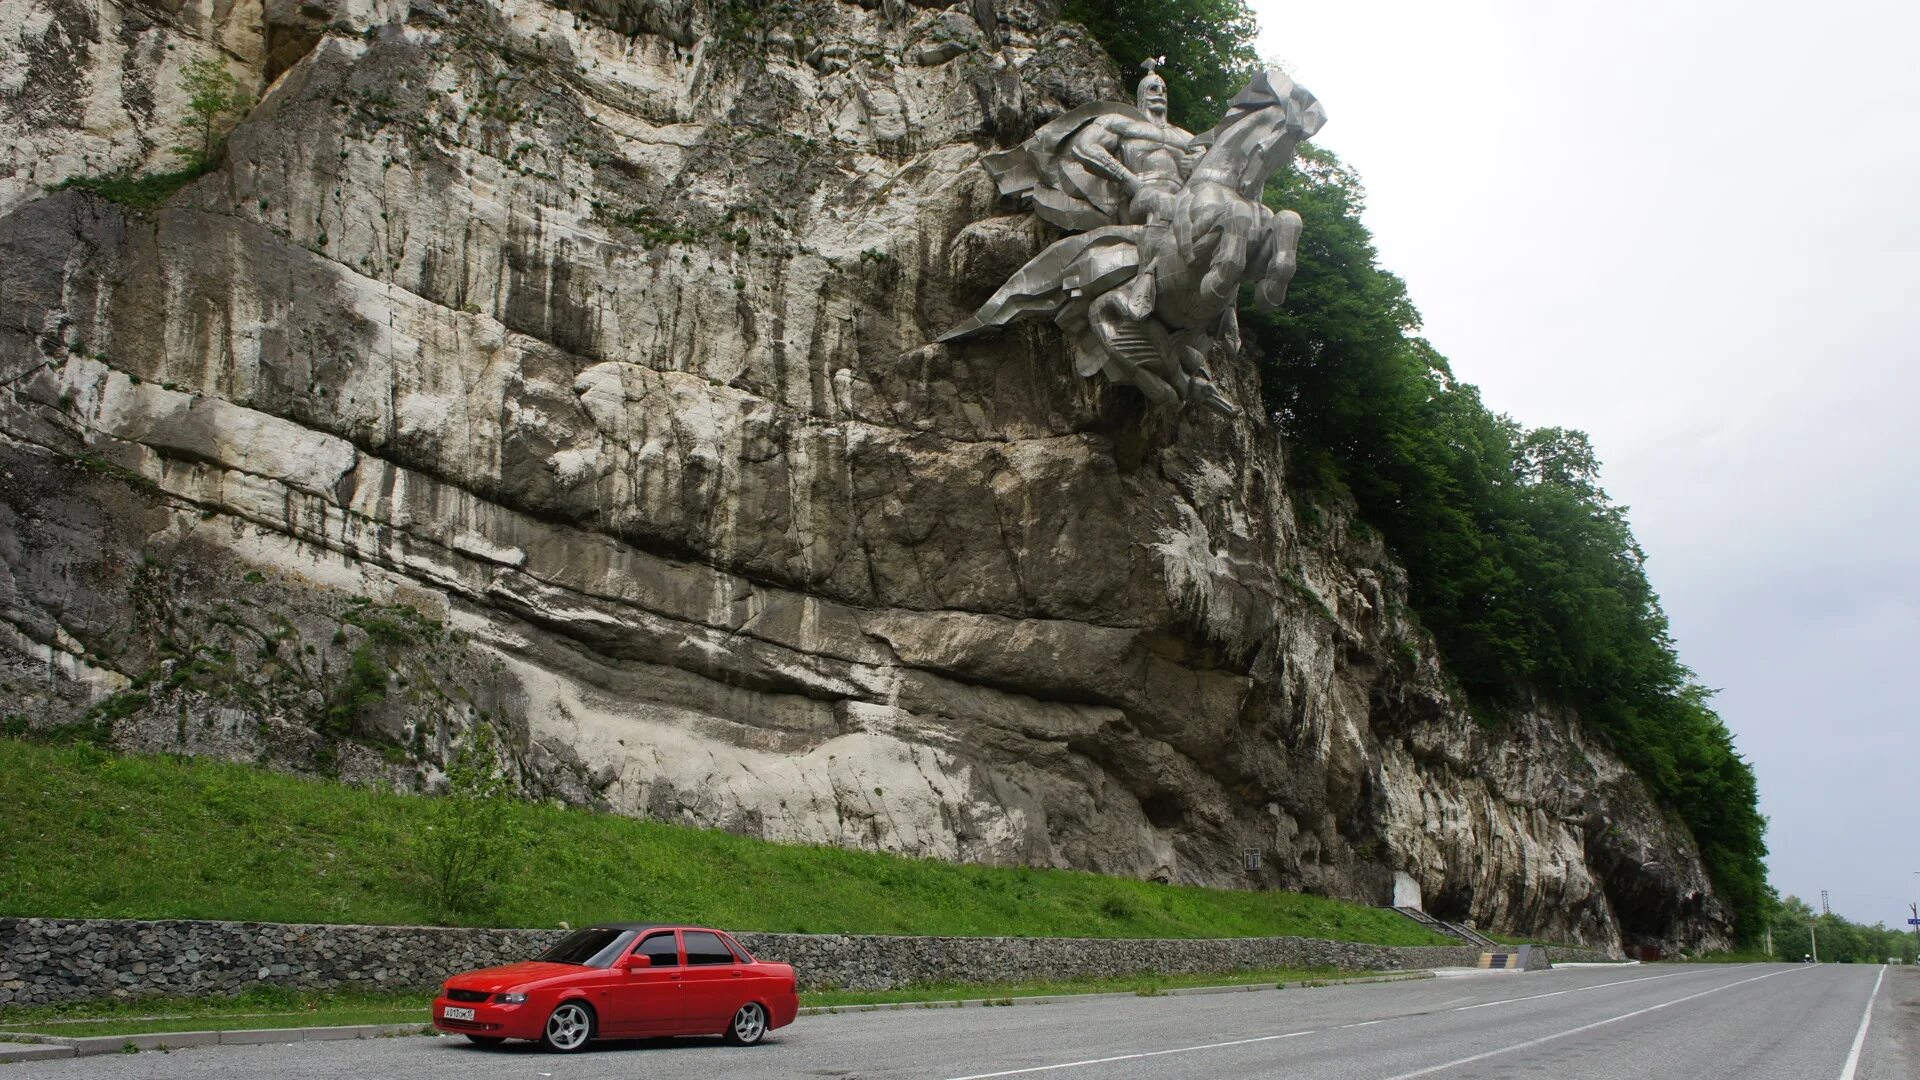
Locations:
{"points": [[1208, 45], [1523, 569]]}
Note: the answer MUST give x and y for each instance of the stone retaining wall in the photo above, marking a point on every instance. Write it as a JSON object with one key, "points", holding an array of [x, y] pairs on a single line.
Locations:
{"points": [[51, 960]]}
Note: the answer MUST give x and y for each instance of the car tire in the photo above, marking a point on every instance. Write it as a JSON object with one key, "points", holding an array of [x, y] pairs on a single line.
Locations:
{"points": [[748, 1026], [486, 1040], [569, 1027]]}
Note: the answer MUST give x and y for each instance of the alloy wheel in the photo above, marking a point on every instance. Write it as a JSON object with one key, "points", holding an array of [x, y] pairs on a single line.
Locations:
{"points": [[569, 1028], [749, 1024]]}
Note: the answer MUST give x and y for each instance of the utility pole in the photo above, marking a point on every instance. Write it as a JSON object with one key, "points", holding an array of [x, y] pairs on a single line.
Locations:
{"points": [[1915, 908], [1770, 940], [1813, 930]]}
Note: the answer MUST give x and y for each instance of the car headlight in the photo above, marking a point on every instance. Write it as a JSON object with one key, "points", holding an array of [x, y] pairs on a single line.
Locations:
{"points": [[510, 999]]}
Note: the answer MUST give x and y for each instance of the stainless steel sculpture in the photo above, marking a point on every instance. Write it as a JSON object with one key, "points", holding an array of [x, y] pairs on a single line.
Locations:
{"points": [[1170, 225]]}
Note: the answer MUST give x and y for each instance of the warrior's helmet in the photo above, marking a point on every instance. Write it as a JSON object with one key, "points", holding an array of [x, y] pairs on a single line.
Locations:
{"points": [[1151, 95]]}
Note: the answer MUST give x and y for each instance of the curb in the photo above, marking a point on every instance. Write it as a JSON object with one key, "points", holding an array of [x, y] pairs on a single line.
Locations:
{"points": [[34, 1047], [1051, 999], [11, 1052]]}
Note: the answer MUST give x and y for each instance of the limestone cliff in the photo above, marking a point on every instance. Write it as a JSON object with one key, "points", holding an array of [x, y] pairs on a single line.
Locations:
{"points": [[565, 368]]}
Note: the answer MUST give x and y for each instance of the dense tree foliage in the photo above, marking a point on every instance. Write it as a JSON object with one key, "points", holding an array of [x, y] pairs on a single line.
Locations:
{"points": [[1523, 569], [1525, 572], [1208, 45], [1794, 926]]}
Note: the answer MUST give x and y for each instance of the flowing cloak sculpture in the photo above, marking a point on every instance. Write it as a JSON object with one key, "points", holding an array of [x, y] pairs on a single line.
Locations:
{"points": [[1169, 226]]}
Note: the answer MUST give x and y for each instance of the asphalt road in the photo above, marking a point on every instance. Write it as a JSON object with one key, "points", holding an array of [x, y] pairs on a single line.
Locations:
{"points": [[1753, 1022]]}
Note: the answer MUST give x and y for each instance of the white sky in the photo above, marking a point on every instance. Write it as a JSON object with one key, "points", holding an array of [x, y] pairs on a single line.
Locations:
{"points": [[1690, 229]]}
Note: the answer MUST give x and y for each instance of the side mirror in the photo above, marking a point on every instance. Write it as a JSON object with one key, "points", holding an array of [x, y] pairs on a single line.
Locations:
{"points": [[638, 961]]}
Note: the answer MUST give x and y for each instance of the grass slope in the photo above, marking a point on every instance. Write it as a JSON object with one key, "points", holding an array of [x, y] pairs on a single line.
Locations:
{"points": [[86, 833]]}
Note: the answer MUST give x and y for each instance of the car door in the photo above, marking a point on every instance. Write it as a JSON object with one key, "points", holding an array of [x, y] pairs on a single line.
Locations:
{"points": [[716, 983], [648, 1000]]}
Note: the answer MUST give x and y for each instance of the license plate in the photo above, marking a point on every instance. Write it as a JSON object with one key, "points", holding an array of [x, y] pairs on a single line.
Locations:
{"points": [[452, 1013]]}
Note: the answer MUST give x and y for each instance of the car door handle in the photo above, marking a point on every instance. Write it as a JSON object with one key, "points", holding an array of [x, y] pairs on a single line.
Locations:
{"points": [[735, 974]]}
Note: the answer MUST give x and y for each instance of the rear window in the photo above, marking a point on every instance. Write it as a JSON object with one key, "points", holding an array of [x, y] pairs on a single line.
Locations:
{"points": [[707, 948], [592, 947]]}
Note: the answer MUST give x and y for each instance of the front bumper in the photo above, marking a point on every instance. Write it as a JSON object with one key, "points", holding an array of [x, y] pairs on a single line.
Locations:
{"points": [[490, 1019]]}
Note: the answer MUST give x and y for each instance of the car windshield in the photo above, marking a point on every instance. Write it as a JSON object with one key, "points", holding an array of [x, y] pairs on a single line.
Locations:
{"points": [[592, 947]]}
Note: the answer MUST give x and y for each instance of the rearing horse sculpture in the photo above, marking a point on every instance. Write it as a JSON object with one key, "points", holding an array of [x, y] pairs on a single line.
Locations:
{"points": [[1144, 297]]}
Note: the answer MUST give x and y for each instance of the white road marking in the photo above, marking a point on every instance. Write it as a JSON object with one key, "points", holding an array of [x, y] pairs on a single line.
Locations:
{"points": [[1342, 1027], [1530, 1043], [1860, 1037], [1132, 1057], [1575, 990]]}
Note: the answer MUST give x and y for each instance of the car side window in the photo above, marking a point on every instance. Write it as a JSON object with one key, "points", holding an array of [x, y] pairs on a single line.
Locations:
{"points": [[704, 947], [662, 948]]}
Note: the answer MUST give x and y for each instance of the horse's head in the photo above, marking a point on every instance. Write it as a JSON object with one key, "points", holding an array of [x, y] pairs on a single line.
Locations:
{"points": [[1264, 123]]}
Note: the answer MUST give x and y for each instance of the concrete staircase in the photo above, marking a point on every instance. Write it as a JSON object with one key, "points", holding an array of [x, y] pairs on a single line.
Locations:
{"points": [[1453, 930]]}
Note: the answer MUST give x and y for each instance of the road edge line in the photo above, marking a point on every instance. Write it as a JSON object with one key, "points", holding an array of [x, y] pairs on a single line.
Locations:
{"points": [[1860, 1037], [94, 1045], [167, 1041]]}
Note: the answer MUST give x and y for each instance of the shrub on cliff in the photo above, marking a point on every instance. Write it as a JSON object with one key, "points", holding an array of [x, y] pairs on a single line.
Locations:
{"points": [[473, 840], [1208, 45], [1526, 573]]}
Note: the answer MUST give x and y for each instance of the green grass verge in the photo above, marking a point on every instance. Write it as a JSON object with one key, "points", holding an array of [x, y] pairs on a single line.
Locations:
{"points": [[266, 1007], [275, 1008], [94, 834], [1146, 985]]}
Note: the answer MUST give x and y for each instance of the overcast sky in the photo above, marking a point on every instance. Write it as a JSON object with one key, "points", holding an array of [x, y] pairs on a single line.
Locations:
{"points": [[1692, 231]]}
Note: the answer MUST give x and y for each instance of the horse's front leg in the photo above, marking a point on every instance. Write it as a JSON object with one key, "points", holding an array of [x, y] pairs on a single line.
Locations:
{"points": [[1280, 236]]}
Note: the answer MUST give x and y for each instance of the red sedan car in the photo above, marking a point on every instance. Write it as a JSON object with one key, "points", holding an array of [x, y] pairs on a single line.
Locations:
{"points": [[623, 980]]}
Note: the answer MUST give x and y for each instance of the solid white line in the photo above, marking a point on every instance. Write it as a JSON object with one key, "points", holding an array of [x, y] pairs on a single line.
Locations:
{"points": [[1860, 1037], [1132, 1057], [1575, 990], [1530, 1043]]}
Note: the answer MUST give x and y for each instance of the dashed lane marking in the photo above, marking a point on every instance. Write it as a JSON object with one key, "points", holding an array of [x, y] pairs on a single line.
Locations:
{"points": [[1575, 990], [1530, 1043], [1294, 1034], [1134, 1057]]}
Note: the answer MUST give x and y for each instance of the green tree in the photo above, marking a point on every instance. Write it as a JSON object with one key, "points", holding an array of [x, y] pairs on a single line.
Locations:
{"points": [[1525, 572], [213, 97], [473, 840], [1208, 45], [1841, 941]]}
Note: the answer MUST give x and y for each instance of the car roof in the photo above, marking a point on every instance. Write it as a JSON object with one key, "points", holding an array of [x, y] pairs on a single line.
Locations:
{"points": [[647, 926]]}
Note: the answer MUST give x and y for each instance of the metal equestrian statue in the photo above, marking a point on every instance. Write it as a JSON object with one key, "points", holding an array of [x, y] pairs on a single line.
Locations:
{"points": [[1170, 225]]}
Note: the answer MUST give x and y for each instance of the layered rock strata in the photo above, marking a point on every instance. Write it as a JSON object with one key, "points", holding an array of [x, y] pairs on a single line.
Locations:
{"points": [[565, 369]]}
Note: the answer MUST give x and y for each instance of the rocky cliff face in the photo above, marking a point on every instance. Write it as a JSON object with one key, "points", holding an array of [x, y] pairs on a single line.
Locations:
{"points": [[565, 369]]}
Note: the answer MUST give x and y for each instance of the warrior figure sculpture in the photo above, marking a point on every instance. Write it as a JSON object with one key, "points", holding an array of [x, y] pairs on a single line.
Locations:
{"points": [[1169, 226]]}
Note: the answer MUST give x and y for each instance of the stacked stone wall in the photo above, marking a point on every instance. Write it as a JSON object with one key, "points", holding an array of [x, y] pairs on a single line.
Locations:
{"points": [[43, 961]]}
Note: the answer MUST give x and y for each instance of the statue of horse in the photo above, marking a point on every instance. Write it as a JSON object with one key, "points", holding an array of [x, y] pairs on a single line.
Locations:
{"points": [[1144, 303]]}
